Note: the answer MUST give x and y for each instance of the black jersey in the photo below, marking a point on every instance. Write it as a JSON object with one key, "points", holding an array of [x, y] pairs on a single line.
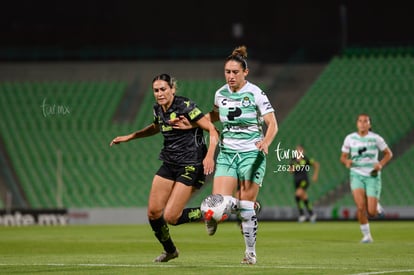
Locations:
{"points": [[181, 147], [301, 167]]}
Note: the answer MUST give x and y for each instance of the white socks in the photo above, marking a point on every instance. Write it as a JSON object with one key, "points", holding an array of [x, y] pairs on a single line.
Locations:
{"points": [[249, 225], [365, 230]]}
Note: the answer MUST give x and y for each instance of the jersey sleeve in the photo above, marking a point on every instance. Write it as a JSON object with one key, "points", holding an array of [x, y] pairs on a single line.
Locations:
{"points": [[346, 145], [155, 116], [263, 103], [216, 102], [192, 111], [311, 161], [381, 144]]}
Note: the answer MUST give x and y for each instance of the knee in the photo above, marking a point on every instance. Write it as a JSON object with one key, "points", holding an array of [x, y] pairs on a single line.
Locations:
{"points": [[360, 208], [372, 213], [153, 214], [171, 218]]}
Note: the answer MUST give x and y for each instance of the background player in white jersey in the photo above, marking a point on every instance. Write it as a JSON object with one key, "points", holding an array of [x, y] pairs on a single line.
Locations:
{"points": [[242, 107], [360, 153]]}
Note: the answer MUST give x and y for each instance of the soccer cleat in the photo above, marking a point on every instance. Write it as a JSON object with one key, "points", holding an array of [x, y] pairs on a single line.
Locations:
{"points": [[302, 218], [165, 257], [249, 258], [234, 209], [380, 211], [257, 207], [211, 226], [312, 218], [367, 239]]}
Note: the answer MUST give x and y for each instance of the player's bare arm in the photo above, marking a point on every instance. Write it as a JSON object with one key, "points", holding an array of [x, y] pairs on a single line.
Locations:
{"points": [[345, 160], [150, 130], [316, 167], [208, 161], [272, 128], [386, 158]]}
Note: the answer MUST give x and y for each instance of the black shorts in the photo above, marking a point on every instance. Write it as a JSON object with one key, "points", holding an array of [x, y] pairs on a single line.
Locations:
{"points": [[304, 184], [190, 175]]}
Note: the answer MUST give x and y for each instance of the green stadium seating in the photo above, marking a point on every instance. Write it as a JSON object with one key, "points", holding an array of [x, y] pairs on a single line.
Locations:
{"points": [[40, 119], [380, 86]]}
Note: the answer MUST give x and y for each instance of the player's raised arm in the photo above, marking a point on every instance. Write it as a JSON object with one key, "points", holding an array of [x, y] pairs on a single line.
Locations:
{"points": [[150, 130]]}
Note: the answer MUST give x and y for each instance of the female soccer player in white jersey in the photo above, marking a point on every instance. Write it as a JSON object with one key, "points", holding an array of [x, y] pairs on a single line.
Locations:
{"points": [[360, 154], [242, 107]]}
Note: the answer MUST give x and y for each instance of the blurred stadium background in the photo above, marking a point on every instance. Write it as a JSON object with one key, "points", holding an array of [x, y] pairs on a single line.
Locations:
{"points": [[75, 74]]}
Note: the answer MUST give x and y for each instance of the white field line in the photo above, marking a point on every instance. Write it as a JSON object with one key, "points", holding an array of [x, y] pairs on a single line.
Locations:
{"points": [[163, 265]]}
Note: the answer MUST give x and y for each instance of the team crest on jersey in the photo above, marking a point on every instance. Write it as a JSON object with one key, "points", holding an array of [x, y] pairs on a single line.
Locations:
{"points": [[246, 102], [173, 115]]}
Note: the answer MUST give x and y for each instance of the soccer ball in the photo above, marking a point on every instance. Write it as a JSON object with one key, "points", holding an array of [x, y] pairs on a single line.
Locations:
{"points": [[216, 207]]}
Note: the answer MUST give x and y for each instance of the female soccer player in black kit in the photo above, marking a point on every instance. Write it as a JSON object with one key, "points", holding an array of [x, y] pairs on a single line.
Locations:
{"points": [[299, 167], [186, 161]]}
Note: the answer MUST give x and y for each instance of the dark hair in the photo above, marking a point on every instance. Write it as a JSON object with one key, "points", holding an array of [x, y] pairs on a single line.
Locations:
{"points": [[239, 54], [167, 78], [369, 118]]}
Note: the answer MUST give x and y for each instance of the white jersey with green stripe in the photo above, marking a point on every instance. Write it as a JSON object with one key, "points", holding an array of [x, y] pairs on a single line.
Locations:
{"points": [[363, 151], [241, 115]]}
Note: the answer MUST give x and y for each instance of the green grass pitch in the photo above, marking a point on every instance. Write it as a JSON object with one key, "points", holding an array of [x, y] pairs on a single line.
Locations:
{"points": [[282, 248]]}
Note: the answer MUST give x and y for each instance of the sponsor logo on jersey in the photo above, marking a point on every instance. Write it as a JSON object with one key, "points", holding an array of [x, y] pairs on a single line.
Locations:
{"points": [[194, 113]]}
